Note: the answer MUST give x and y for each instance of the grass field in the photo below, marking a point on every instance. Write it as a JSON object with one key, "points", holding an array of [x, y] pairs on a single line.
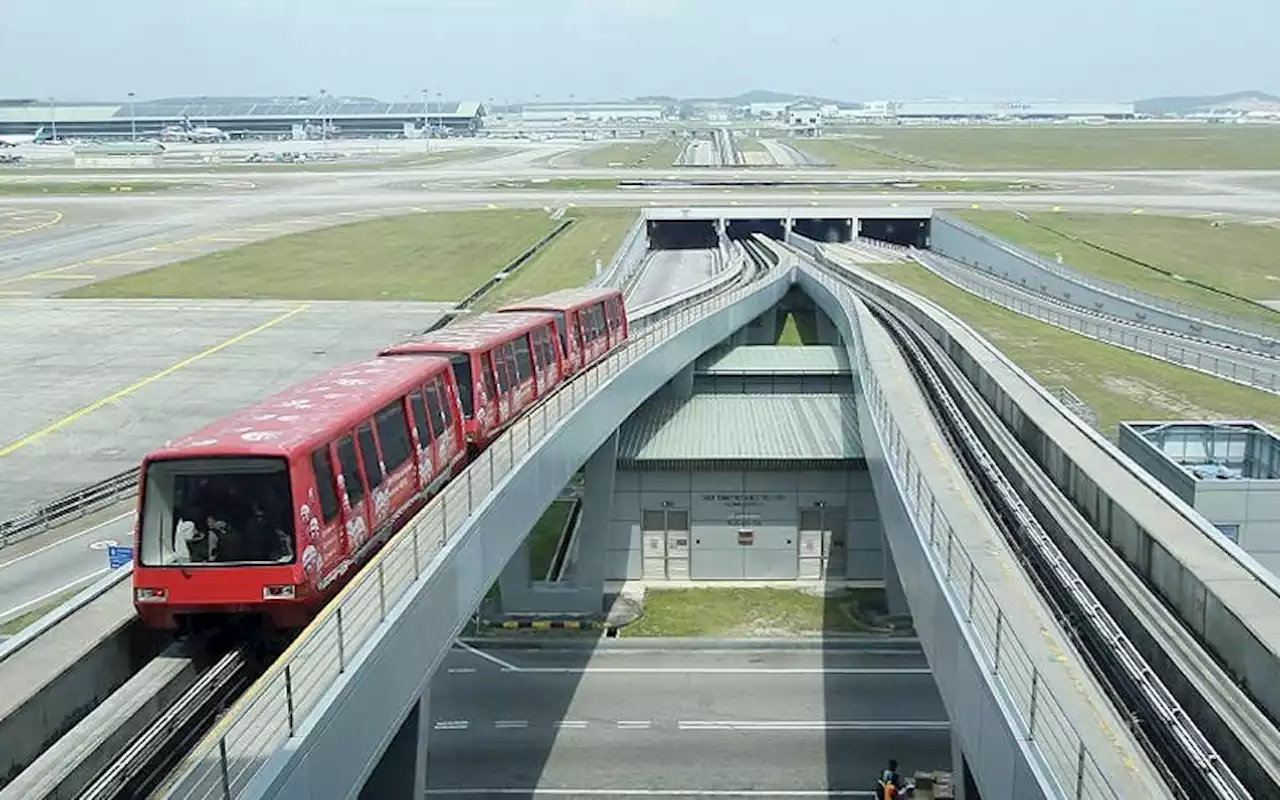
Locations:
{"points": [[1054, 147], [647, 153], [20, 188], [442, 257], [1236, 258], [16, 624], [797, 328], [757, 612], [1117, 384], [570, 260], [545, 536]]}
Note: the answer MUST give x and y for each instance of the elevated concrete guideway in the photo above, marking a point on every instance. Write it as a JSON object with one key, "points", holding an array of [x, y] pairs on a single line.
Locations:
{"points": [[347, 706]]}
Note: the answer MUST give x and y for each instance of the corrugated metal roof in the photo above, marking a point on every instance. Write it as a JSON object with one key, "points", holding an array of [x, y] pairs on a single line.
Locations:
{"points": [[709, 427], [775, 360]]}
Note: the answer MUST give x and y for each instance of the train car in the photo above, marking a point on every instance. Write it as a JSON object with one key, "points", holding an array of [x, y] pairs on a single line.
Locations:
{"points": [[592, 322], [270, 511], [503, 364]]}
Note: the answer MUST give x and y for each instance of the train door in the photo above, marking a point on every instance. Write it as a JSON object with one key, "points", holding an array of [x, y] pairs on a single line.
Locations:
{"points": [[375, 474], [544, 361], [568, 344], [500, 370], [593, 333], [355, 496], [328, 539], [573, 335], [428, 467], [613, 313], [490, 419], [391, 427], [437, 416]]}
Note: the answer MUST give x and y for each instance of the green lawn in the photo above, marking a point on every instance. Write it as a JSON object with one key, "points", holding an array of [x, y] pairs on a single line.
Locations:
{"points": [[15, 625], [546, 535], [440, 256], [741, 613], [797, 328], [1235, 258], [1116, 383], [571, 260], [652, 154], [1055, 147], [85, 187]]}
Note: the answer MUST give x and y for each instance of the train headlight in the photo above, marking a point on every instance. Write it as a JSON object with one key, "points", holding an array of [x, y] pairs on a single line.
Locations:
{"points": [[151, 595], [279, 592]]}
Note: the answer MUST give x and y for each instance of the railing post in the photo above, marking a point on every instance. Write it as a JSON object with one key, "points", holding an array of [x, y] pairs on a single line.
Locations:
{"points": [[972, 578], [288, 694], [1080, 771], [342, 645], [382, 592], [995, 659], [226, 775], [417, 561], [1031, 715]]}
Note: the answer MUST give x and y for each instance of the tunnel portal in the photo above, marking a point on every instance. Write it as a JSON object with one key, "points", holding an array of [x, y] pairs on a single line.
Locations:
{"points": [[682, 234], [909, 232]]}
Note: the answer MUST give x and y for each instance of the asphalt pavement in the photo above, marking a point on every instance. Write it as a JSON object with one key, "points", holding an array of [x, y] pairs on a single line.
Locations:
{"points": [[670, 272], [618, 722]]}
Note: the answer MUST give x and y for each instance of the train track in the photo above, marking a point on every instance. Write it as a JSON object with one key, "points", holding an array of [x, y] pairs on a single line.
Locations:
{"points": [[1189, 763]]}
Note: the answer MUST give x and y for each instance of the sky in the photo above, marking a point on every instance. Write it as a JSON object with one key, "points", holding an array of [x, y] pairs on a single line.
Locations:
{"points": [[514, 50]]}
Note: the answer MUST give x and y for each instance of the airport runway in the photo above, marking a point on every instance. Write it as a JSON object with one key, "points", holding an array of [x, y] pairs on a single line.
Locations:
{"points": [[667, 721]]}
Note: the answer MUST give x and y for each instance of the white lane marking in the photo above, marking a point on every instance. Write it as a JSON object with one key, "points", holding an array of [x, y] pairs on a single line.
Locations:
{"points": [[651, 792], [633, 724], [452, 725], [723, 670], [511, 723], [52, 545], [461, 670], [813, 725], [19, 609], [506, 665], [572, 723]]}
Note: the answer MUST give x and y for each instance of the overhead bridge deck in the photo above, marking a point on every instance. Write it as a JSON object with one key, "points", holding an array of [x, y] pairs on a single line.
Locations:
{"points": [[346, 707]]}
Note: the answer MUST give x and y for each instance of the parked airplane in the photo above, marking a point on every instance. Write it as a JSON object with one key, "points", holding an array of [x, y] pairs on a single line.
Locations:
{"points": [[191, 133], [13, 140]]}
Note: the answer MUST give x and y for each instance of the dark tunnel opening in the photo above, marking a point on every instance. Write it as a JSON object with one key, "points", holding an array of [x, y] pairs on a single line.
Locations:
{"points": [[682, 234], [909, 232], [825, 230], [742, 228]]}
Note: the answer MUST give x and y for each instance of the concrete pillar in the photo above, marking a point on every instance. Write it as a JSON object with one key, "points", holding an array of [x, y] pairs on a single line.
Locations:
{"points": [[894, 596], [515, 582], [597, 514], [828, 333], [767, 333], [402, 770], [853, 230], [961, 777], [681, 385]]}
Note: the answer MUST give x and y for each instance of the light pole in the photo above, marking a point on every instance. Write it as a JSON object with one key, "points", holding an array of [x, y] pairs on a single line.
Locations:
{"points": [[439, 110], [53, 117], [133, 121], [426, 120], [324, 123]]}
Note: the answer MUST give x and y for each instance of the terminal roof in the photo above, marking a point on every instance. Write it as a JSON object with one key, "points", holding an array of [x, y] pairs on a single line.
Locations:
{"points": [[775, 360]]}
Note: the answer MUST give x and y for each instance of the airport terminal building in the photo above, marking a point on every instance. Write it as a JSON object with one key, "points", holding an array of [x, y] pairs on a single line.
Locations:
{"points": [[238, 117]]}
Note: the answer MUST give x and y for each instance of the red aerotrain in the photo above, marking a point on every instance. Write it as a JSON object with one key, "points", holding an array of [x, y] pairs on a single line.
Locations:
{"points": [[270, 511]]}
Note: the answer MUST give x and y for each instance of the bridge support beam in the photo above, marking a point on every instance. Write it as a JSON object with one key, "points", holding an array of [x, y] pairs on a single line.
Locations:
{"points": [[681, 385], [402, 770], [894, 595], [961, 778]]}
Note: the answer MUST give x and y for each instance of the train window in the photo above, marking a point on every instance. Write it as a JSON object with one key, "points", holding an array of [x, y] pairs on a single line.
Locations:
{"points": [[562, 327], [369, 456], [324, 484], [433, 410], [535, 348], [350, 471], [524, 368], [446, 408], [509, 360], [462, 374], [393, 432], [420, 419]]}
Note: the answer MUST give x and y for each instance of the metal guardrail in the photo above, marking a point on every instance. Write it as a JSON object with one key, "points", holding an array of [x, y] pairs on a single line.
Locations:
{"points": [[264, 719], [1045, 723], [1188, 311], [1111, 330], [68, 507]]}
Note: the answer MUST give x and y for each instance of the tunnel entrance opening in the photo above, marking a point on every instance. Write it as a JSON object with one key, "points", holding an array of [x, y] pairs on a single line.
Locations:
{"points": [[909, 232], [742, 228], [825, 230], [682, 234]]}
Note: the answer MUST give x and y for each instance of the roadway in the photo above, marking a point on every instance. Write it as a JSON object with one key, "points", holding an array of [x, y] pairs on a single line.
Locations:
{"points": [[670, 720], [668, 272]]}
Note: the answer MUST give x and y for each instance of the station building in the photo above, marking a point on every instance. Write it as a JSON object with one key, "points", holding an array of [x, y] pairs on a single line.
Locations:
{"points": [[591, 112], [238, 117]]}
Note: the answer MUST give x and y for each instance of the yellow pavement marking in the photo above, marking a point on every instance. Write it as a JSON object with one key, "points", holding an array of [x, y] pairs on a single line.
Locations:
{"points": [[61, 276], [49, 223], [150, 379], [14, 294]]}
